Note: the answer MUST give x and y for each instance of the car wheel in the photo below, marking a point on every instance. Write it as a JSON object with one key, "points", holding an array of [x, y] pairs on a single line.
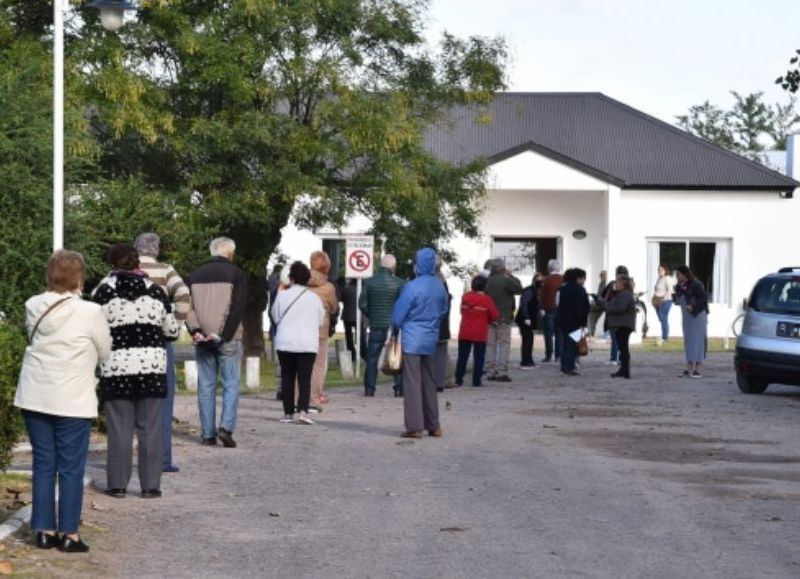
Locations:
{"points": [[750, 385]]}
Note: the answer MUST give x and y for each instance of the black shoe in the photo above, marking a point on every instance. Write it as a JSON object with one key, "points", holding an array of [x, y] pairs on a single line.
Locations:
{"points": [[545, 360], [116, 493], [226, 436], [151, 494], [45, 541], [492, 377], [621, 374], [398, 393], [369, 393], [71, 546], [479, 385], [209, 441], [502, 378]]}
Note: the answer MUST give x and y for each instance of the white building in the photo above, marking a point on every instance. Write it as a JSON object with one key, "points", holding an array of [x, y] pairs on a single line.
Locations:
{"points": [[595, 183]]}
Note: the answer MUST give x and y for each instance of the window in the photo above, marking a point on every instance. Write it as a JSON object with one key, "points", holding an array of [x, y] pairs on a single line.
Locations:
{"points": [[710, 261], [775, 295]]}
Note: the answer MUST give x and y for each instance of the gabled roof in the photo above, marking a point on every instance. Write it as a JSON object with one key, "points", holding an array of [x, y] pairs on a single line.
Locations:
{"points": [[600, 136]]}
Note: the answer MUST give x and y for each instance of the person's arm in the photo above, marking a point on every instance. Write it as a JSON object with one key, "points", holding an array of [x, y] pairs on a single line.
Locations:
{"points": [[179, 295], [620, 303], [236, 311], [101, 335], [401, 308], [363, 300], [513, 285], [494, 313]]}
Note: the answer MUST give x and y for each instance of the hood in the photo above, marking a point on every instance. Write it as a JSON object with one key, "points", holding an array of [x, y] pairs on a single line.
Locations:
{"points": [[57, 317], [128, 285], [318, 279], [426, 261]]}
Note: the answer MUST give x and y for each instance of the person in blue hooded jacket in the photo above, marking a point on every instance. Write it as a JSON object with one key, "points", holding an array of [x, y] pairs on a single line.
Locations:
{"points": [[417, 314]]}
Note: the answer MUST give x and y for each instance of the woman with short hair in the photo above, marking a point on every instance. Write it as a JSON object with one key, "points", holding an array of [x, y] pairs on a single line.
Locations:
{"points": [[621, 319], [692, 298], [56, 391], [319, 284], [299, 314]]}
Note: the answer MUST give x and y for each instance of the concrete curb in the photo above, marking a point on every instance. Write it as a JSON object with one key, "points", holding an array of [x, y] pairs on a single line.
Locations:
{"points": [[26, 448], [14, 522]]}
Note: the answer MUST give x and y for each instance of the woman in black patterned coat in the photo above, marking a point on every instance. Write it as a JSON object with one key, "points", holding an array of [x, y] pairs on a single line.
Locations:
{"points": [[133, 381]]}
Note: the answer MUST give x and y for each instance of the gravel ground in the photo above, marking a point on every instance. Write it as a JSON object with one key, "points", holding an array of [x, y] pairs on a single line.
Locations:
{"points": [[547, 476]]}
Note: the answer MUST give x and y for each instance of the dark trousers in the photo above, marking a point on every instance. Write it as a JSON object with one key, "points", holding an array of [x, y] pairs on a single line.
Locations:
{"points": [[553, 338], [168, 407], [623, 337], [349, 338], [569, 352], [60, 445], [420, 402], [296, 366], [526, 349], [124, 417], [464, 347], [377, 339]]}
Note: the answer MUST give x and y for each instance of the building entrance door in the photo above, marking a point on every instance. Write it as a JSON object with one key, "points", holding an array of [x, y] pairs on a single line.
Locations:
{"points": [[525, 255]]}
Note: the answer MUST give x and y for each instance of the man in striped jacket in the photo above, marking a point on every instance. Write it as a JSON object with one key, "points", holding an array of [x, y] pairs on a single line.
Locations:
{"points": [[149, 245]]}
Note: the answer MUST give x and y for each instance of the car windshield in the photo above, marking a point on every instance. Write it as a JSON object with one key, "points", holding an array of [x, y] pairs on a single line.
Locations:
{"points": [[777, 296]]}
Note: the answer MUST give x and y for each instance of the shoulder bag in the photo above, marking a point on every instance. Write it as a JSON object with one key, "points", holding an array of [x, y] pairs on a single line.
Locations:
{"points": [[286, 311], [47, 311]]}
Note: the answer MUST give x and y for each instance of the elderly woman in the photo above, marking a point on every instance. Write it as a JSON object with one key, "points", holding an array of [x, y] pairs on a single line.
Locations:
{"points": [[56, 392], [299, 316], [133, 382], [621, 319], [320, 285], [418, 313], [692, 298]]}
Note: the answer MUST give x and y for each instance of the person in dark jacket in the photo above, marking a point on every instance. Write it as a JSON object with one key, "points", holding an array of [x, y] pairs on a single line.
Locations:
{"points": [[133, 381], [349, 297], [572, 314], [526, 321], [692, 298], [418, 314], [219, 294], [376, 302], [501, 286], [621, 319]]}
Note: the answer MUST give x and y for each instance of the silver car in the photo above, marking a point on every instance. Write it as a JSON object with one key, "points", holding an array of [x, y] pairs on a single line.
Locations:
{"points": [[768, 348]]}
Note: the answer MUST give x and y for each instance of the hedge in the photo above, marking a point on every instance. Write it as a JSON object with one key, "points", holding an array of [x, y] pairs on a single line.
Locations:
{"points": [[12, 348]]}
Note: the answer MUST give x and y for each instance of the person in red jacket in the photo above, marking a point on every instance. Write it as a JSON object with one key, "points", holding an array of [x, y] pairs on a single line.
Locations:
{"points": [[477, 312]]}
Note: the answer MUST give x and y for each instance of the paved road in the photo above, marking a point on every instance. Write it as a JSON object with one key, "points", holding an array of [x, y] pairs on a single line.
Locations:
{"points": [[545, 477]]}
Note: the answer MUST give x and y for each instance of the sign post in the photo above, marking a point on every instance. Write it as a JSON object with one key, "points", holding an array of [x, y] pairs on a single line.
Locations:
{"points": [[358, 264]]}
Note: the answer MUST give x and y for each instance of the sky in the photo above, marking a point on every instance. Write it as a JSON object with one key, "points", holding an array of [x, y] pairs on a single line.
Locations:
{"points": [[659, 56]]}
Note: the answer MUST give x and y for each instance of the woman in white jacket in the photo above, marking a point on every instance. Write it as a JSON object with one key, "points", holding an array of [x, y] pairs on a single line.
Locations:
{"points": [[56, 392]]}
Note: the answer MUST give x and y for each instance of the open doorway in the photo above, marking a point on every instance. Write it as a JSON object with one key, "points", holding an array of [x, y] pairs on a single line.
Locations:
{"points": [[525, 255]]}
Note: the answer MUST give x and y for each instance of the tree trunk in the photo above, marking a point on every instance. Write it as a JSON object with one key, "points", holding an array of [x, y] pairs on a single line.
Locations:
{"points": [[253, 322]]}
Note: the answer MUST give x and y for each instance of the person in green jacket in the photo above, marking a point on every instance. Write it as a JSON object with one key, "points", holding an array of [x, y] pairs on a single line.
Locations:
{"points": [[501, 286], [376, 302]]}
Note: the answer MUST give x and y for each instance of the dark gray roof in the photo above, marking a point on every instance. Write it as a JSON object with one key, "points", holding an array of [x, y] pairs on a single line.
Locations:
{"points": [[600, 136]]}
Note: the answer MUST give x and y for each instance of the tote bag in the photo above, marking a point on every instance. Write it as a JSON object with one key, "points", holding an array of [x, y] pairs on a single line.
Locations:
{"points": [[393, 357]]}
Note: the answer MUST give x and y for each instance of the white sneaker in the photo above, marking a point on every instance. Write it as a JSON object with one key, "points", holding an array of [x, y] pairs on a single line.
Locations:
{"points": [[304, 419], [612, 363], [287, 419], [313, 410]]}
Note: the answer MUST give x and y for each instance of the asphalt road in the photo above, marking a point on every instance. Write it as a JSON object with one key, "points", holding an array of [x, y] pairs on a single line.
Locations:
{"points": [[546, 477]]}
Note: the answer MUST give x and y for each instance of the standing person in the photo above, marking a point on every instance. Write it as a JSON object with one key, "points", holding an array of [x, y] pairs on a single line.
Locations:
{"points": [[299, 315], [274, 284], [621, 316], [477, 312], [376, 302], [67, 337], [608, 295], [501, 286], [219, 294], [596, 310], [320, 285], [572, 314], [349, 299], [526, 321], [662, 299], [418, 313], [442, 357], [148, 245], [692, 298], [133, 381], [552, 336]]}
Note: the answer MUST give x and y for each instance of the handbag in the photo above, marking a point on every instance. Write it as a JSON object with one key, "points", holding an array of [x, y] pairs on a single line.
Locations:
{"points": [[393, 360], [286, 311], [657, 301], [583, 346]]}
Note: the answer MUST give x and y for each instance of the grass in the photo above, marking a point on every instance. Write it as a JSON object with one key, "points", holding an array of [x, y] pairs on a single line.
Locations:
{"points": [[715, 345], [15, 493]]}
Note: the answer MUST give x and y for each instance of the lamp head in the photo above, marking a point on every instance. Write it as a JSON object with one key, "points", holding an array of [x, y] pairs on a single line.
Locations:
{"points": [[112, 12]]}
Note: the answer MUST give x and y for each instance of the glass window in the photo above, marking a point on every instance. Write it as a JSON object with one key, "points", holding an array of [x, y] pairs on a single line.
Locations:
{"points": [[776, 296]]}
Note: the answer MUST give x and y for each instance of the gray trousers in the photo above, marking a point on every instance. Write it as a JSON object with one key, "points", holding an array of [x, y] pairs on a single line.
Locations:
{"points": [[441, 363], [420, 403], [498, 348], [123, 418]]}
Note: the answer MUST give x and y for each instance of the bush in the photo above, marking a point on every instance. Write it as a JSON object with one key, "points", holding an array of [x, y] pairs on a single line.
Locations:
{"points": [[12, 348]]}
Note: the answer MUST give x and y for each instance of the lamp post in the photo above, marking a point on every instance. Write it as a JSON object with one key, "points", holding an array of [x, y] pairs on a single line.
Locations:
{"points": [[112, 18]]}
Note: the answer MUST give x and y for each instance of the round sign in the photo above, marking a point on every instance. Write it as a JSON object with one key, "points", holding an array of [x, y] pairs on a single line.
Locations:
{"points": [[360, 260]]}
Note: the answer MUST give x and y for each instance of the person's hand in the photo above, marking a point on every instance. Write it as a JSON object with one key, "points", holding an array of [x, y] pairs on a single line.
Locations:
{"points": [[198, 337], [690, 308], [213, 338], [527, 323]]}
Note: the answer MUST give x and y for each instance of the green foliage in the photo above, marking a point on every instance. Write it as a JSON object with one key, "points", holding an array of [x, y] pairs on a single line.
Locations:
{"points": [[749, 128], [790, 80], [12, 348]]}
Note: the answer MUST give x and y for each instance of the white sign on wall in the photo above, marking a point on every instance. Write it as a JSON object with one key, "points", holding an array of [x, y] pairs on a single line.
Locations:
{"points": [[358, 260]]}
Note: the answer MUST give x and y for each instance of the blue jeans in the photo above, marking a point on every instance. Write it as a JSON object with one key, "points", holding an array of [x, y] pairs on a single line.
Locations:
{"points": [[663, 318], [552, 335], [464, 347], [168, 406], [60, 445], [225, 358], [375, 343]]}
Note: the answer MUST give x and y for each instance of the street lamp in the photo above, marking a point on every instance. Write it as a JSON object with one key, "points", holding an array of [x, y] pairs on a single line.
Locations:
{"points": [[112, 14]]}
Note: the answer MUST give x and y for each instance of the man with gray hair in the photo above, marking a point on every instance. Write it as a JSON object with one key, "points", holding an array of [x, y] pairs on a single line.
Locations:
{"points": [[376, 303], [219, 294], [164, 275], [501, 286]]}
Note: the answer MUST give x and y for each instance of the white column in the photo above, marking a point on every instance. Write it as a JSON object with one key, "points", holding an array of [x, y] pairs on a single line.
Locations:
{"points": [[58, 124], [614, 232]]}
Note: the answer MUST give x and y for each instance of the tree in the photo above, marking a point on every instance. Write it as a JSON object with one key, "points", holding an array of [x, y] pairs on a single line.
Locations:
{"points": [[790, 80]]}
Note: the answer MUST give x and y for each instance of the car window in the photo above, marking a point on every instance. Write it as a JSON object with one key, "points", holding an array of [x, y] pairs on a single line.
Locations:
{"points": [[777, 296]]}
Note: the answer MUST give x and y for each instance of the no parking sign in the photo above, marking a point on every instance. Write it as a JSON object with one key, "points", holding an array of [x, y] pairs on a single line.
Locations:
{"points": [[358, 261]]}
